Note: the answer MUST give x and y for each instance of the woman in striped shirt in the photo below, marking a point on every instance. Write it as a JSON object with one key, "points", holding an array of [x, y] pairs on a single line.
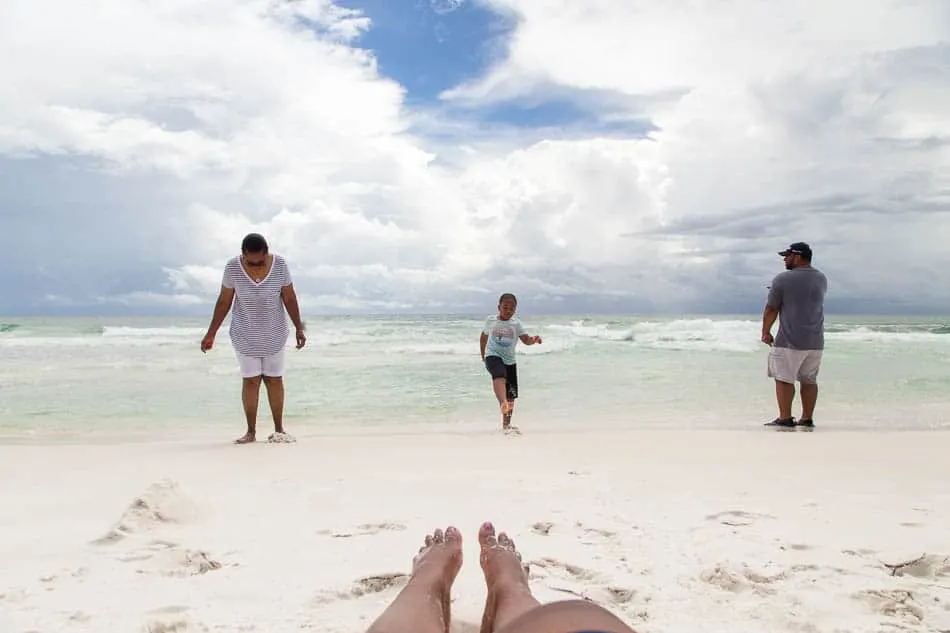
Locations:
{"points": [[259, 285]]}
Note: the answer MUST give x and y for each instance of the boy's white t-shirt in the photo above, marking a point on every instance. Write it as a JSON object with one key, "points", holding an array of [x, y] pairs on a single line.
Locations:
{"points": [[502, 337]]}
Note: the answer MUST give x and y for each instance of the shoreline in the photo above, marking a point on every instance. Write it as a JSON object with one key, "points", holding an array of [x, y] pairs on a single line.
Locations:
{"points": [[208, 437]]}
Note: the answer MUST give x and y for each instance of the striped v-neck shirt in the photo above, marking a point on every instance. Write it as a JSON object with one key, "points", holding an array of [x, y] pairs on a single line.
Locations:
{"points": [[258, 321]]}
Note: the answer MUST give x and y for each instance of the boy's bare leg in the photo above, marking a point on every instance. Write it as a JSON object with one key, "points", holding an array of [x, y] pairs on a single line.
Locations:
{"points": [[424, 604], [500, 386], [510, 607]]}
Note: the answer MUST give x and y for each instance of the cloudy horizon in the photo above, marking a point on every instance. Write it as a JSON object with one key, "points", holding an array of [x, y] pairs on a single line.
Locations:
{"points": [[602, 157]]}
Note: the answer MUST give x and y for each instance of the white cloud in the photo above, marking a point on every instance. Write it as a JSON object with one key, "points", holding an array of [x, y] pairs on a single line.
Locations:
{"points": [[777, 122]]}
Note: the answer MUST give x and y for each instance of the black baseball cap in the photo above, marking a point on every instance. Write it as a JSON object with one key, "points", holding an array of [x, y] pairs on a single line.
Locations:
{"points": [[798, 248]]}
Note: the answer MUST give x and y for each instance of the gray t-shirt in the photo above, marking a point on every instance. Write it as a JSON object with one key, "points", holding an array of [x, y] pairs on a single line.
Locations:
{"points": [[799, 296]]}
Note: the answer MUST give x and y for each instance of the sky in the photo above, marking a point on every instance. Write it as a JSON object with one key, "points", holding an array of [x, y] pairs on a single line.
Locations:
{"points": [[424, 156]]}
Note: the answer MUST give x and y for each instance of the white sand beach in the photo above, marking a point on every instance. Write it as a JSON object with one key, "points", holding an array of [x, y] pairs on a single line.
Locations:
{"points": [[672, 531]]}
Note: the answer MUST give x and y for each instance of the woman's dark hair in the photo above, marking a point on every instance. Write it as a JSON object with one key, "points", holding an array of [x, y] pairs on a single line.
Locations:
{"points": [[254, 243], [508, 295]]}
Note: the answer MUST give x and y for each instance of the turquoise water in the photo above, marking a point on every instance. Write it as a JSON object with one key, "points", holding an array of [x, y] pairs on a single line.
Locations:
{"points": [[110, 377]]}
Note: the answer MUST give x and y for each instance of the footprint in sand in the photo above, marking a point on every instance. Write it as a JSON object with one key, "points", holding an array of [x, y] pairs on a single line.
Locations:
{"points": [[860, 553], [597, 535], [742, 579], [365, 529], [542, 527], [178, 623], [799, 547], [553, 566], [169, 559], [897, 604], [364, 586], [587, 584], [737, 518], [929, 566], [563, 577]]}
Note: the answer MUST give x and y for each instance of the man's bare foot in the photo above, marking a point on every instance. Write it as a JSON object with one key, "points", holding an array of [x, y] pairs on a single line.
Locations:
{"points": [[247, 438], [436, 566], [506, 579]]}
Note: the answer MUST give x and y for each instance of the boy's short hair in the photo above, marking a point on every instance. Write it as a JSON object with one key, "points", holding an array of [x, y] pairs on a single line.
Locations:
{"points": [[508, 295]]}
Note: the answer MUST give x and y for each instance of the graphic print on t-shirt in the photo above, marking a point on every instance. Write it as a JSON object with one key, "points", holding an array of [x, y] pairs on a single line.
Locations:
{"points": [[502, 337]]}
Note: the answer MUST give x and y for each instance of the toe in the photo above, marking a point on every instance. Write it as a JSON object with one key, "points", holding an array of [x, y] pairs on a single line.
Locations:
{"points": [[429, 540], [452, 534], [505, 541], [486, 535], [438, 536]]}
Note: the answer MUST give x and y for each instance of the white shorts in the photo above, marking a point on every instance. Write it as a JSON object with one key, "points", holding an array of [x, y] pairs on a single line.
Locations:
{"points": [[271, 366], [789, 365]]}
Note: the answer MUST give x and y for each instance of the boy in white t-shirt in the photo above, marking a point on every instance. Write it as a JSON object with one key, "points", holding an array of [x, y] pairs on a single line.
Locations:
{"points": [[498, 340]]}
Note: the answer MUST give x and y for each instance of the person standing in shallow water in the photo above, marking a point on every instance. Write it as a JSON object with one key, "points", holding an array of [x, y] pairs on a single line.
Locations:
{"points": [[259, 285], [797, 299], [499, 337]]}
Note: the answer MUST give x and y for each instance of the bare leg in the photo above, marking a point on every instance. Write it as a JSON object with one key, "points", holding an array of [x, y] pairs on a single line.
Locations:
{"points": [[509, 595], [499, 385], [424, 604], [250, 394], [510, 607], [275, 397], [784, 394], [809, 399]]}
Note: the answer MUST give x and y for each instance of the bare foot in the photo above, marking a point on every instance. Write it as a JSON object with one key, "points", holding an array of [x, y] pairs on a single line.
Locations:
{"points": [[509, 595], [247, 438], [436, 566]]}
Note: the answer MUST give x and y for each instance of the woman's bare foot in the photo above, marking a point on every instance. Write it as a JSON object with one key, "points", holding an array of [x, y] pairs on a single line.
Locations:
{"points": [[247, 438], [436, 566], [424, 604], [506, 579]]}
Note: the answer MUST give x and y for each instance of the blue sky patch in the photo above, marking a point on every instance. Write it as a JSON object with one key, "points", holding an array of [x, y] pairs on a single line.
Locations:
{"points": [[430, 45]]}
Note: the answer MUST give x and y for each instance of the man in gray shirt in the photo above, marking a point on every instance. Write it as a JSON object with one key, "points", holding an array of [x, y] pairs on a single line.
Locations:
{"points": [[797, 298]]}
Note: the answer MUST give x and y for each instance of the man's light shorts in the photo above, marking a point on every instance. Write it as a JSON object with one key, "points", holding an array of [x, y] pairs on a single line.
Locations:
{"points": [[253, 366], [789, 365]]}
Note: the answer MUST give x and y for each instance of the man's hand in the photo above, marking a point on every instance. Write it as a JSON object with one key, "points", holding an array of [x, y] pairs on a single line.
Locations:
{"points": [[207, 342], [301, 338], [767, 338]]}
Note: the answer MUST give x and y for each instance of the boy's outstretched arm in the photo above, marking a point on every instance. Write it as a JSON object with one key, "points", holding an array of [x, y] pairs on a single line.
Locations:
{"points": [[482, 342], [527, 339]]}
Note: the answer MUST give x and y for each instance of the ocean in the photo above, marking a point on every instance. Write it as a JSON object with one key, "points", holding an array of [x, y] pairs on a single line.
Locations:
{"points": [[130, 379]]}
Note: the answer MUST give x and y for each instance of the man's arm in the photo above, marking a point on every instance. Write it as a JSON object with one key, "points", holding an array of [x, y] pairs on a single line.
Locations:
{"points": [[772, 305], [289, 296], [482, 342], [768, 319], [221, 308]]}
